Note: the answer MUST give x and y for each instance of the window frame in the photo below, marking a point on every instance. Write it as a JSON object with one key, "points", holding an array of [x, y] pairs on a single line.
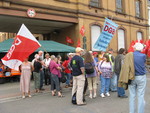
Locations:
{"points": [[122, 5], [120, 28], [91, 41], [99, 3], [140, 9], [139, 31]]}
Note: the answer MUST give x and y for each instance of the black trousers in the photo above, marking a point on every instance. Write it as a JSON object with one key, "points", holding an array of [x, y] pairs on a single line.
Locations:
{"points": [[47, 76]]}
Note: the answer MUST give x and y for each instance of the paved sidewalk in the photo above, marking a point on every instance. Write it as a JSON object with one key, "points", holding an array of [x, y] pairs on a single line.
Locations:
{"points": [[11, 101], [12, 90]]}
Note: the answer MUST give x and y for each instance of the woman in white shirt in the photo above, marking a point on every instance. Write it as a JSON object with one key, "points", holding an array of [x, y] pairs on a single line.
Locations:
{"points": [[46, 69], [105, 69]]}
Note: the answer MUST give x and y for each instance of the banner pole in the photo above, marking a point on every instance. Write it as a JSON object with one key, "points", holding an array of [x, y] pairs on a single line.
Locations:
{"points": [[43, 49]]}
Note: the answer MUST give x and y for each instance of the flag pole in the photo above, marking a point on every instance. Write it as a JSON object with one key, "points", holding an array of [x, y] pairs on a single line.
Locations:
{"points": [[43, 49]]}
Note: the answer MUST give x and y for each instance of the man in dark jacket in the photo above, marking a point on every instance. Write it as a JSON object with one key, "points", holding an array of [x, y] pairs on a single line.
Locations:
{"points": [[117, 68]]}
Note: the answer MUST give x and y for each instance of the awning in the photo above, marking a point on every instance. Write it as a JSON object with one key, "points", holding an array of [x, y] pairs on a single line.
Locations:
{"points": [[47, 45]]}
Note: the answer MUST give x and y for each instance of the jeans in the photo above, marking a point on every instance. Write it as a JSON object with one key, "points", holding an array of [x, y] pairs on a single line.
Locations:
{"points": [[137, 87], [113, 83], [68, 78], [105, 84], [55, 82], [120, 90]]}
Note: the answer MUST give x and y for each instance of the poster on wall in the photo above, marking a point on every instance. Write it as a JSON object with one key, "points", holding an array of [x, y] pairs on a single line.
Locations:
{"points": [[106, 35]]}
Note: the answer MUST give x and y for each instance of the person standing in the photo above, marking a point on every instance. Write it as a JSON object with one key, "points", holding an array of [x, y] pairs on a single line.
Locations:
{"points": [[67, 71], [105, 70], [40, 53], [100, 56], [77, 65], [117, 68], [36, 73], [46, 69], [138, 85], [95, 54], [91, 77], [113, 81], [54, 69], [26, 71]]}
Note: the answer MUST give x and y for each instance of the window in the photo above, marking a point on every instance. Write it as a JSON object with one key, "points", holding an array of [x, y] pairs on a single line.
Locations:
{"points": [[119, 6], [121, 38], [95, 3], [138, 8], [95, 33], [139, 35]]}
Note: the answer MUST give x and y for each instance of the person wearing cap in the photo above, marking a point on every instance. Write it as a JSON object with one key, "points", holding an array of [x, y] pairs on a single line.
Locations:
{"points": [[95, 56], [138, 85], [77, 65]]}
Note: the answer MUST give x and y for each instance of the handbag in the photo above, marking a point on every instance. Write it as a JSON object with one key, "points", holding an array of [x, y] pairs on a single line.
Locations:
{"points": [[63, 78]]}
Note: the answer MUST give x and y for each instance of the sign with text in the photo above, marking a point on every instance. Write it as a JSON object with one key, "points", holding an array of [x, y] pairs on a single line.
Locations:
{"points": [[106, 35]]}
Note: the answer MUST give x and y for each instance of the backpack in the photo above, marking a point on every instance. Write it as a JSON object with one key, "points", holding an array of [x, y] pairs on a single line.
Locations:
{"points": [[74, 98], [89, 68]]}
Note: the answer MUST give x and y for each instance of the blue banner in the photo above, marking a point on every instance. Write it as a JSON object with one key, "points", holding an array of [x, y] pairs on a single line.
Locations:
{"points": [[106, 35]]}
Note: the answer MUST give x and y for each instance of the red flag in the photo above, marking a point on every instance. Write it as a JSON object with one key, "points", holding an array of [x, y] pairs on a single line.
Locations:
{"points": [[24, 44], [82, 31], [69, 40], [78, 43], [147, 43], [131, 49]]}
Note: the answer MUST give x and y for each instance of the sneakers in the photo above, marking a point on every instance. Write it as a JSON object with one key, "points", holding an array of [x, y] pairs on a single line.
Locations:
{"points": [[94, 96], [102, 95], [107, 94], [23, 97], [91, 96]]}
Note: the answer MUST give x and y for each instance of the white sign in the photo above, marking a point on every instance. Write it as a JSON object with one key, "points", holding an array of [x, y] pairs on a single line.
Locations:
{"points": [[31, 13]]}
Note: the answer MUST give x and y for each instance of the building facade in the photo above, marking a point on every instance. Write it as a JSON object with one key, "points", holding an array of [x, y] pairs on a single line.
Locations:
{"points": [[56, 19]]}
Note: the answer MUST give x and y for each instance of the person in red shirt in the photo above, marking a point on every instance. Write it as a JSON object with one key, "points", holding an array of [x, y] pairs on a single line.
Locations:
{"points": [[67, 70]]}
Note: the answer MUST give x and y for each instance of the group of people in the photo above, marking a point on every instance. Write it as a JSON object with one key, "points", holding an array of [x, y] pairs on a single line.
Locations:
{"points": [[49, 69], [114, 73], [86, 68]]}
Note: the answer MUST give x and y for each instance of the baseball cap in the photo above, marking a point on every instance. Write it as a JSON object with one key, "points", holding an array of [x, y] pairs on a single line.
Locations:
{"points": [[78, 49], [94, 53], [138, 46]]}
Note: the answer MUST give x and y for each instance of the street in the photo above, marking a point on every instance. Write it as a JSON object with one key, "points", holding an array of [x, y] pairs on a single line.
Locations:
{"points": [[11, 101]]}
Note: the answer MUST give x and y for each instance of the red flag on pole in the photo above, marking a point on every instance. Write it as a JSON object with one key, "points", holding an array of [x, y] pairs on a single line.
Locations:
{"points": [[78, 43], [24, 44], [82, 31], [69, 40]]}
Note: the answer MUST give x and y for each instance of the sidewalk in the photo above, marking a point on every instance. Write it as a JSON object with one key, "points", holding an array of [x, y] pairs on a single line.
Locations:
{"points": [[12, 90]]}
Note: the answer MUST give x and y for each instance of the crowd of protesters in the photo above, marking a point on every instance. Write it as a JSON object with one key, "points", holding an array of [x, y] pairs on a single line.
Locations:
{"points": [[89, 69]]}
